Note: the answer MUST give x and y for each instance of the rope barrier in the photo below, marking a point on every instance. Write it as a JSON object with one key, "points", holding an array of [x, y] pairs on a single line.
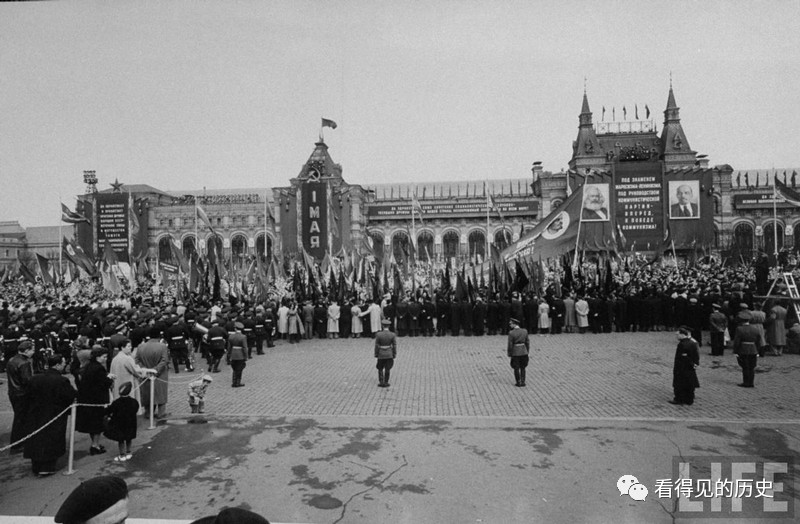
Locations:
{"points": [[137, 386], [26, 437]]}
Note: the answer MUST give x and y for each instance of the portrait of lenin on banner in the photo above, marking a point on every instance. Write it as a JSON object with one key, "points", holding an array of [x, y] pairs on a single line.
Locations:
{"points": [[683, 199], [595, 203]]}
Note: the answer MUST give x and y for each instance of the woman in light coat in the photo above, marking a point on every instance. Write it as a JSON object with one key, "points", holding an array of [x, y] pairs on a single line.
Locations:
{"points": [[333, 319], [356, 326]]}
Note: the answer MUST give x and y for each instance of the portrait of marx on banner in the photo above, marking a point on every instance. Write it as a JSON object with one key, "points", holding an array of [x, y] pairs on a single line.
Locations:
{"points": [[683, 200], [595, 203]]}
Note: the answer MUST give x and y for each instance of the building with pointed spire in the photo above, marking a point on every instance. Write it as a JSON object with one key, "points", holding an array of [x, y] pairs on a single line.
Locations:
{"points": [[320, 212]]}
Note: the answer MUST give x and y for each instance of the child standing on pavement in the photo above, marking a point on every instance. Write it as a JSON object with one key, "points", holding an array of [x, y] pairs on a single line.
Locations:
{"points": [[197, 393], [121, 416]]}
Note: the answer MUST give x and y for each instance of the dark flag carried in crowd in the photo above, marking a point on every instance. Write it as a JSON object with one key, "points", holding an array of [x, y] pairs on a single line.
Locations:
{"points": [[76, 255], [25, 271], [786, 193], [44, 269]]}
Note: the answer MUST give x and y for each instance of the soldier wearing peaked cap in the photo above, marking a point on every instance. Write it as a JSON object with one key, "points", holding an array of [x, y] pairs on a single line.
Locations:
{"points": [[518, 348]]}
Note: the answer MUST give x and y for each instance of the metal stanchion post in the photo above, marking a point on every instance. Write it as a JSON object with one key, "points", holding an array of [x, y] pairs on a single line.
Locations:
{"points": [[152, 401], [71, 458]]}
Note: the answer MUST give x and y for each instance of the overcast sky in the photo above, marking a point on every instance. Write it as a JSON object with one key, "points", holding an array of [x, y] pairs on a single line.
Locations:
{"points": [[230, 93]]}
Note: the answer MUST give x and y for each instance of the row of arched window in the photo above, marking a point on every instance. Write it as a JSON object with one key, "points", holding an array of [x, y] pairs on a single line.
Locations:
{"points": [[451, 246], [239, 246]]}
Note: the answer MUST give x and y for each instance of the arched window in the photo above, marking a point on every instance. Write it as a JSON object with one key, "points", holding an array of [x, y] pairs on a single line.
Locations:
{"points": [[769, 238], [238, 247], [502, 238], [477, 244], [450, 244], [188, 246], [400, 247], [164, 251], [377, 244], [425, 246], [260, 247]]}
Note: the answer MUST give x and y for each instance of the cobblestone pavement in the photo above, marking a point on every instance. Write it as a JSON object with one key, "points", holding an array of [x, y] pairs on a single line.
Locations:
{"points": [[616, 375]]}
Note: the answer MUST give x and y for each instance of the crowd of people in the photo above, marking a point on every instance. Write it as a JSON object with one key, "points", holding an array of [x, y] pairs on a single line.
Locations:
{"points": [[112, 345]]}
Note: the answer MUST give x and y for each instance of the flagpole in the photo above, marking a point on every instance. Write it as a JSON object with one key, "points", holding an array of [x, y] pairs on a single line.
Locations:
{"points": [[486, 185], [413, 223], [60, 242], [578, 235], [266, 219], [775, 221]]}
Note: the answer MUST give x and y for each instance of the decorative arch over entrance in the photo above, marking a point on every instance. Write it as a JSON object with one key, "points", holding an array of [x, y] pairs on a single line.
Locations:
{"points": [[377, 243], [450, 244], [425, 245], [400, 243], [502, 238], [477, 244], [769, 238], [164, 251], [260, 246], [238, 247], [189, 247], [743, 240]]}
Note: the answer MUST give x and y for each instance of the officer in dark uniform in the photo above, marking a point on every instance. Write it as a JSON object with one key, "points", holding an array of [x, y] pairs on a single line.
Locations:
{"points": [[519, 346], [269, 326], [217, 338], [237, 354], [414, 311], [385, 353], [390, 311], [442, 315], [505, 315], [402, 317], [249, 331], [747, 341], [260, 332], [455, 317], [177, 336], [426, 316]]}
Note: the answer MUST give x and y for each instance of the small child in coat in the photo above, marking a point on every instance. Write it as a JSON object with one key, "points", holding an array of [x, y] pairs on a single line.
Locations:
{"points": [[197, 393], [122, 422]]}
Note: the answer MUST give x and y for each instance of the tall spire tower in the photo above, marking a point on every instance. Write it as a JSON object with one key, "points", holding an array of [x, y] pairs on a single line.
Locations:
{"points": [[676, 148], [586, 150]]}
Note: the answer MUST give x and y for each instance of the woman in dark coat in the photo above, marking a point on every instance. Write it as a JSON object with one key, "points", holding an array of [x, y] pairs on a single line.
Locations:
{"points": [[684, 377], [94, 388], [49, 393]]}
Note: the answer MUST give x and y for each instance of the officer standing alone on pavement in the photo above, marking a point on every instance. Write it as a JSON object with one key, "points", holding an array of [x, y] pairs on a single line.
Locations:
{"points": [[519, 345], [385, 352], [237, 354]]}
